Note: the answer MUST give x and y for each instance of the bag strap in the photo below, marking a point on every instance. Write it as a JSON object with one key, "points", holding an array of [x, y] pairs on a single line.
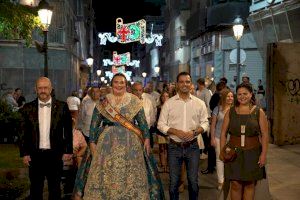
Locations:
{"points": [[257, 115], [121, 119]]}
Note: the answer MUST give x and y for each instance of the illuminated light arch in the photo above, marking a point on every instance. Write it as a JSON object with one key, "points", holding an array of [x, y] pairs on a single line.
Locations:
{"points": [[121, 59], [131, 32]]}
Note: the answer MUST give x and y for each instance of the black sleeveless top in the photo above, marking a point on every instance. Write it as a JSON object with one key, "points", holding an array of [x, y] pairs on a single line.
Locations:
{"points": [[251, 121]]}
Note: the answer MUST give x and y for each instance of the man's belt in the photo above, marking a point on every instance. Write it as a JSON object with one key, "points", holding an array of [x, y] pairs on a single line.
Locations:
{"points": [[183, 144]]}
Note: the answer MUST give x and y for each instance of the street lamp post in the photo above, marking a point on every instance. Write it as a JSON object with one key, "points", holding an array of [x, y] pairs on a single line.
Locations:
{"points": [[90, 62], [144, 74], [156, 70], [45, 15], [238, 29], [98, 74]]}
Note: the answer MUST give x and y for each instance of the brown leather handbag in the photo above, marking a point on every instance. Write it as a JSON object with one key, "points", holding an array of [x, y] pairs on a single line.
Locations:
{"points": [[228, 153]]}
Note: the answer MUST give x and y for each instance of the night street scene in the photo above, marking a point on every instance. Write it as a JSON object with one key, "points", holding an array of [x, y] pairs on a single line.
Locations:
{"points": [[149, 99]]}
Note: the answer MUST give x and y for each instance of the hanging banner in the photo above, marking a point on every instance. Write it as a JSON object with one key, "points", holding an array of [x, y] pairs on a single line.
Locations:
{"points": [[131, 32], [121, 59], [116, 70]]}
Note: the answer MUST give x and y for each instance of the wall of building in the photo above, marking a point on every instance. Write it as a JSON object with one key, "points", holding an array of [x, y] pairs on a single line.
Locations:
{"points": [[253, 65], [285, 79], [21, 66]]}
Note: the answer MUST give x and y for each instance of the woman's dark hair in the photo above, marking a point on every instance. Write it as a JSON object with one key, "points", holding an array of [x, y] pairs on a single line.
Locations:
{"points": [[224, 80], [161, 96], [220, 86], [118, 74], [201, 81], [248, 87]]}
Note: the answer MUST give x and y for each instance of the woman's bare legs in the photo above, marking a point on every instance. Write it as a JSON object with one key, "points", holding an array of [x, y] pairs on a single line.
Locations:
{"points": [[249, 189], [236, 190], [242, 190]]}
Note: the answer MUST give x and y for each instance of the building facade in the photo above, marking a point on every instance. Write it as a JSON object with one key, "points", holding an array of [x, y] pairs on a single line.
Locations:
{"points": [[275, 26], [200, 41], [68, 43]]}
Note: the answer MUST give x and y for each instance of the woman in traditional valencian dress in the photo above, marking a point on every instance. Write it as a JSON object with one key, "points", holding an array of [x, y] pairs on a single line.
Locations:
{"points": [[248, 129], [122, 166]]}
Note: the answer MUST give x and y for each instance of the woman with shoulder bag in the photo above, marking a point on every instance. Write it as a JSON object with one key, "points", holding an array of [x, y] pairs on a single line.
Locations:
{"points": [[226, 101], [245, 123]]}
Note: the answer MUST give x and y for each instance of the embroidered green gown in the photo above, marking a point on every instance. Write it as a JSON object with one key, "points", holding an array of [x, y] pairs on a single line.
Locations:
{"points": [[121, 169]]}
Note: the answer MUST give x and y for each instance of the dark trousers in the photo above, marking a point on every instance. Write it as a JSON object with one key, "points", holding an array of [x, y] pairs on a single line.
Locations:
{"points": [[190, 155], [211, 162], [45, 164], [152, 131], [87, 139]]}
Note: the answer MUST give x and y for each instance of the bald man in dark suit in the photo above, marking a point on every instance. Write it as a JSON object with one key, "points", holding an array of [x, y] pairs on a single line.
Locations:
{"points": [[46, 140]]}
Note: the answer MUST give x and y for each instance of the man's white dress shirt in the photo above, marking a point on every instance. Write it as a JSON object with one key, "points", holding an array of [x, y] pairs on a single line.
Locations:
{"points": [[156, 97], [73, 103], [86, 113], [149, 108], [44, 125], [185, 115], [205, 95]]}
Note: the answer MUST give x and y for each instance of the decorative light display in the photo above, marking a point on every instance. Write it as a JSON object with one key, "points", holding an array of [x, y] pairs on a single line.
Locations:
{"points": [[116, 70], [135, 63], [121, 59], [131, 32], [110, 74]]}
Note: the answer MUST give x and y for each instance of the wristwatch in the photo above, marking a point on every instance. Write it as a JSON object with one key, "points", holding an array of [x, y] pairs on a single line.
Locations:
{"points": [[195, 133]]}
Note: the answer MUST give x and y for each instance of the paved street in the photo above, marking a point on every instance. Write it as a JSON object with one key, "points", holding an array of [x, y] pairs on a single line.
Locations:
{"points": [[283, 171], [208, 184]]}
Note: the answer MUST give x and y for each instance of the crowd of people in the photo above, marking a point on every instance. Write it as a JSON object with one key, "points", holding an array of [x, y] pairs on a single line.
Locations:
{"points": [[14, 98], [104, 139]]}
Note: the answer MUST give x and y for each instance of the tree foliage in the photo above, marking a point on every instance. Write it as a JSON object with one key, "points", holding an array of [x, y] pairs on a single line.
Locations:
{"points": [[17, 21]]}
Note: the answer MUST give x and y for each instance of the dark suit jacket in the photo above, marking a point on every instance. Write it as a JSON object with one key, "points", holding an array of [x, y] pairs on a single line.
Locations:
{"points": [[61, 136]]}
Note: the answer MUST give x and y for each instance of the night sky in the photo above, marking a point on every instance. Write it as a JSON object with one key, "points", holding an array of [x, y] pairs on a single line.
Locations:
{"points": [[107, 11]]}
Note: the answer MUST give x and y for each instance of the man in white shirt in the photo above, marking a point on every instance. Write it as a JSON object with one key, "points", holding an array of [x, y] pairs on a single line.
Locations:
{"points": [[183, 117], [155, 95], [46, 140], [87, 107], [74, 104], [148, 105], [204, 94]]}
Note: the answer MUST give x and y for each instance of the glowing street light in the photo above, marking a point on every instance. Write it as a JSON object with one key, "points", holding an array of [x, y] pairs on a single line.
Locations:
{"points": [[238, 29], [45, 15], [90, 62], [98, 72]]}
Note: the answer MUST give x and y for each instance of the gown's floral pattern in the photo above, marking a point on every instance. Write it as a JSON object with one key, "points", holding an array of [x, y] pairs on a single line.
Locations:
{"points": [[121, 169]]}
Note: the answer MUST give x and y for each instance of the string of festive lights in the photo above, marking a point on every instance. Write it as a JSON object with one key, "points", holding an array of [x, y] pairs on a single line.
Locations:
{"points": [[108, 62], [121, 59], [127, 74], [131, 32]]}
